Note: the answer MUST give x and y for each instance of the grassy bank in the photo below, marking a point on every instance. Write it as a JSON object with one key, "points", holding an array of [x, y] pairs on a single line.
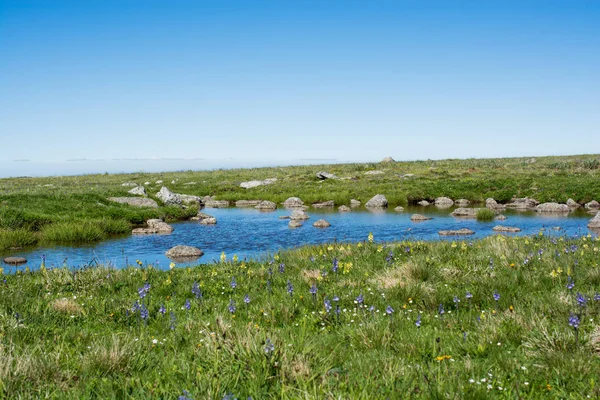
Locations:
{"points": [[33, 204], [483, 319]]}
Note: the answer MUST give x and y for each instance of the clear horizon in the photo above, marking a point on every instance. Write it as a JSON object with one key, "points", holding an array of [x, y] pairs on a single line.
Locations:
{"points": [[218, 85]]}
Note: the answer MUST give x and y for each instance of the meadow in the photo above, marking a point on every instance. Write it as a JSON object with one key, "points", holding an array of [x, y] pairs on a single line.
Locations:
{"points": [[501, 317], [75, 209]]}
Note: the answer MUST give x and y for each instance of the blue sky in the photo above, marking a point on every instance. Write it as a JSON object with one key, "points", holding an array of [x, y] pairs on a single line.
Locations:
{"points": [[285, 82]]}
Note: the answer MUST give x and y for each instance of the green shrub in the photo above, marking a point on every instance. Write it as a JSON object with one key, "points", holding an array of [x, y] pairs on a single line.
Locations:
{"points": [[485, 214], [114, 226], [16, 238], [74, 232]]}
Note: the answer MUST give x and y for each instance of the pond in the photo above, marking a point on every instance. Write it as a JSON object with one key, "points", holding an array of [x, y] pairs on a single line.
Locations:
{"points": [[252, 234]]}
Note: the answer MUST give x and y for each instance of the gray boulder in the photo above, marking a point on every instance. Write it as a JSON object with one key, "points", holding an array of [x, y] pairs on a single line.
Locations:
{"points": [[592, 205], [594, 222], [292, 202], [247, 203], [502, 228], [552, 208], [419, 217], [444, 202], [208, 221], [253, 184], [493, 205], [154, 226], [524, 203], [168, 197], [266, 206], [129, 184], [321, 224], [399, 209], [15, 260], [573, 204], [325, 204], [299, 215], [376, 172], [184, 252], [325, 175], [344, 209], [295, 224], [135, 201], [388, 159], [355, 203], [465, 212], [458, 232], [424, 203], [138, 191], [377, 201], [462, 202]]}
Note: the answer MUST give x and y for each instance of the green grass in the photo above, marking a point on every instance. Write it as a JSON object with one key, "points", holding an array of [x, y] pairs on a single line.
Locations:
{"points": [[83, 231], [16, 238], [66, 334], [37, 203], [485, 214]]}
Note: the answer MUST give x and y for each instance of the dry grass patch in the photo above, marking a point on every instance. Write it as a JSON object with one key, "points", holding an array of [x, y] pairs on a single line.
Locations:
{"points": [[66, 306], [111, 359], [311, 275]]}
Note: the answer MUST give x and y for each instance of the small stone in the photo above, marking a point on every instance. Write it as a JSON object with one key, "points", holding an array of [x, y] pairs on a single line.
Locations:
{"points": [[292, 202], [501, 217], [424, 203], [184, 252], [388, 160], [462, 202], [208, 221], [247, 203], [325, 204], [295, 224], [376, 172], [419, 217], [463, 231], [378, 201], [573, 204], [344, 209], [399, 209], [321, 224], [355, 203], [299, 215], [266, 206], [502, 228], [138, 191]]}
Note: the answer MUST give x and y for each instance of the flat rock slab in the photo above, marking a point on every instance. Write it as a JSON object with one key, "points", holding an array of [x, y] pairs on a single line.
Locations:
{"points": [[594, 222], [253, 184], [376, 172], [502, 228], [344, 209], [465, 212], [325, 204], [321, 224], [266, 206], [208, 221], [184, 252], [154, 226], [458, 232], [553, 208], [377, 201], [138, 191], [295, 224], [216, 204], [247, 203], [299, 215], [135, 201], [419, 217], [293, 202], [15, 260]]}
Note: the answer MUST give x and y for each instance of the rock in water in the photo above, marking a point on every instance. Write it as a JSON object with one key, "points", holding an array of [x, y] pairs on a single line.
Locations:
{"points": [[459, 232], [15, 260], [321, 224], [444, 202], [138, 191], [573, 204], [424, 203], [552, 208], [184, 252], [524, 203], [594, 222], [465, 212], [502, 228], [299, 215], [208, 221], [266, 206], [295, 224], [325, 204], [592, 205], [247, 203], [419, 217], [354, 203], [462, 202], [135, 201], [399, 209], [377, 201], [344, 209]]}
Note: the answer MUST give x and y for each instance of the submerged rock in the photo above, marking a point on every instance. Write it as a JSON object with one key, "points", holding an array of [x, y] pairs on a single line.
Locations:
{"points": [[208, 221], [502, 228], [501, 217], [458, 232], [424, 203], [344, 209], [135, 201], [465, 212], [184, 252], [462, 202], [321, 224], [355, 203], [247, 203], [419, 217], [377, 201], [15, 260], [399, 209], [524, 203]]}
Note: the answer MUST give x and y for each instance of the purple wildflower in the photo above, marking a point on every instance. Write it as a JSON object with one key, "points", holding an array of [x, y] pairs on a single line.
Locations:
{"points": [[290, 288], [196, 290], [574, 321], [247, 299], [389, 310], [232, 306], [269, 347], [335, 265], [162, 309], [418, 321], [233, 283], [313, 291], [469, 296], [282, 268], [597, 297], [144, 314], [184, 396], [441, 309], [456, 300], [390, 256], [360, 299], [581, 300], [327, 305], [570, 283], [336, 298], [187, 304], [496, 295], [173, 320]]}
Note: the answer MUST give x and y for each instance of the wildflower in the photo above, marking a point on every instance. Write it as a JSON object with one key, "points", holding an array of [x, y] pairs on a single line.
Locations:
{"points": [[154, 341], [370, 237], [418, 321], [390, 256], [187, 304], [496, 295], [235, 258], [469, 296], [162, 309], [233, 283], [282, 268], [327, 305], [574, 321], [581, 300], [232, 306], [313, 291], [360, 299], [335, 265], [173, 319], [184, 396], [312, 258], [553, 274], [456, 301], [143, 291], [389, 310], [269, 347], [336, 298], [247, 299], [442, 358], [290, 288], [144, 314], [597, 297], [223, 257], [570, 283], [441, 310], [196, 290], [407, 249]]}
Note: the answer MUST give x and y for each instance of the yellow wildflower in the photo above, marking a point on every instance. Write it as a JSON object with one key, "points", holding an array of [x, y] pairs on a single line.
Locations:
{"points": [[554, 274], [453, 245], [235, 258], [223, 257], [172, 266], [370, 237]]}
